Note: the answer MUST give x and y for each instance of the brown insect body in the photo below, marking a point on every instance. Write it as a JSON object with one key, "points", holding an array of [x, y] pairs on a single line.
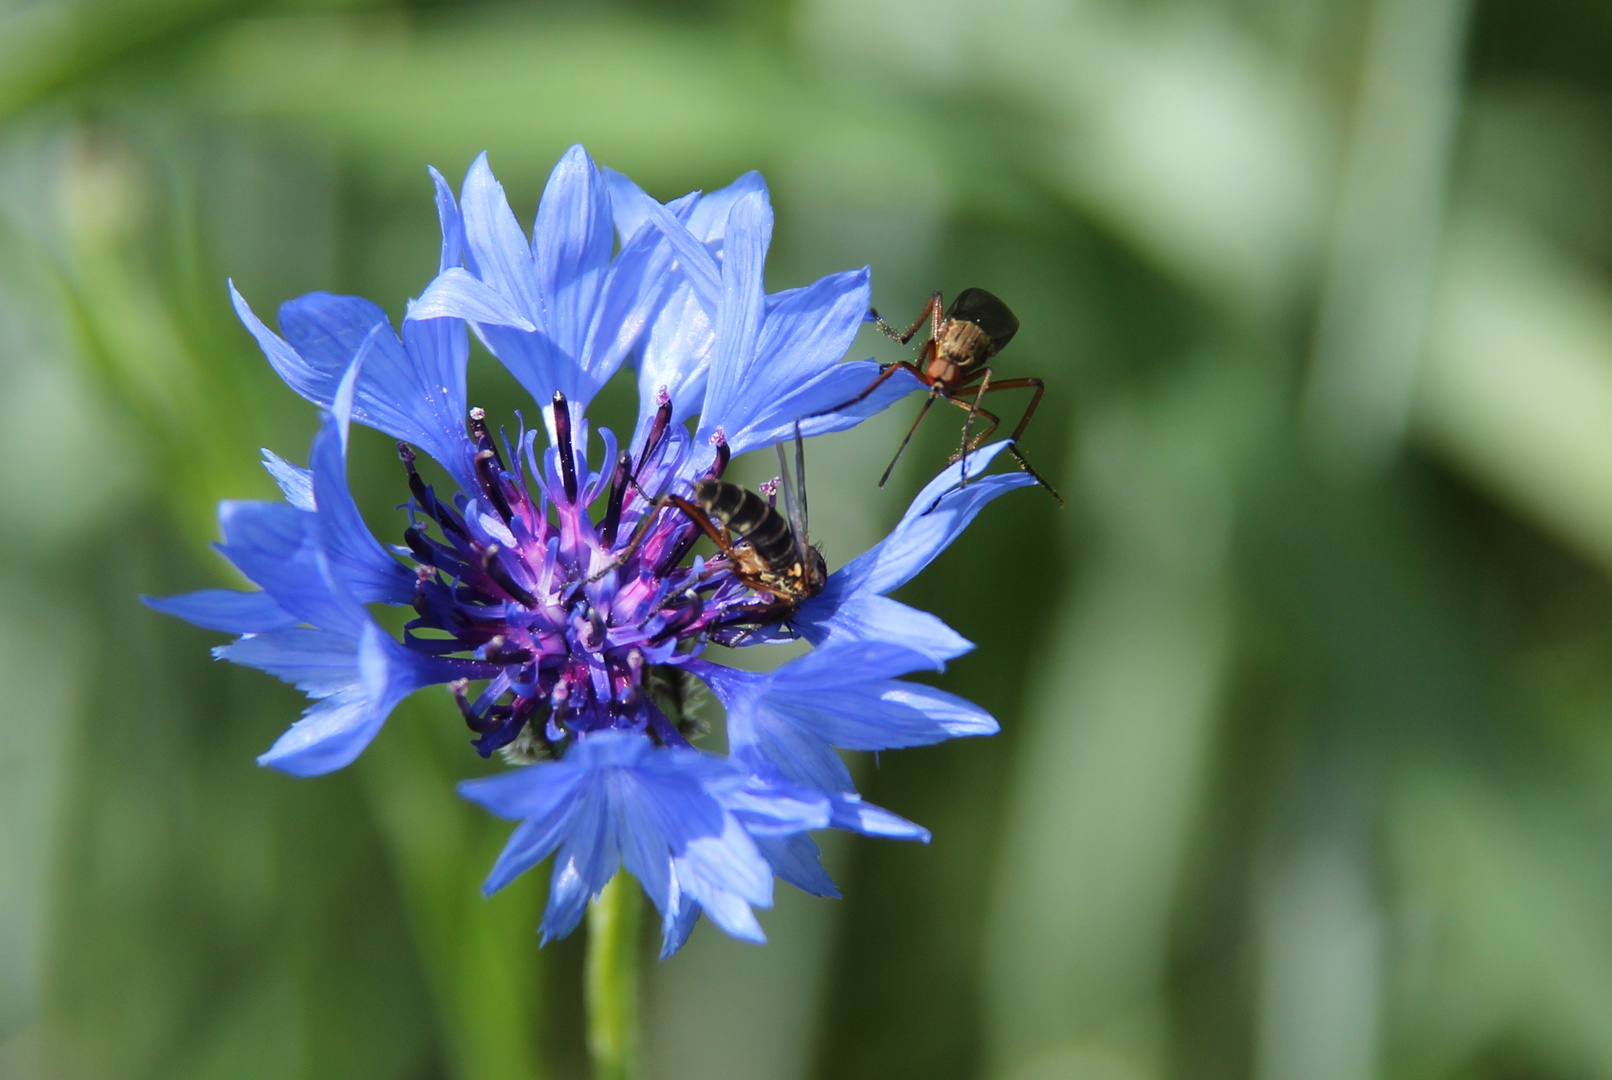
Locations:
{"points": [[960, 348], [770, 557]]}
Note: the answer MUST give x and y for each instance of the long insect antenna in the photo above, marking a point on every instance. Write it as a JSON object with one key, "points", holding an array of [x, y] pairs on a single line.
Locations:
{"points": [[888, 469]]}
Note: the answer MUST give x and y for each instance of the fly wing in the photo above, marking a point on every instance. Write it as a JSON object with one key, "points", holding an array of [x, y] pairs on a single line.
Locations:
{"points": [[987, 312], [800, 482], [794, 503]]}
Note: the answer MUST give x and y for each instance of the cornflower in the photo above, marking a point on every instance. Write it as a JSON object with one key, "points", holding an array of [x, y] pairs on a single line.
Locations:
{"points": [[558, 600]]}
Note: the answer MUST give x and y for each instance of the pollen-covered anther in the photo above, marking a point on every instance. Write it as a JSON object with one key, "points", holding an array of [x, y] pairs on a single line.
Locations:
{"points": [[719, 439], [657, 427]]}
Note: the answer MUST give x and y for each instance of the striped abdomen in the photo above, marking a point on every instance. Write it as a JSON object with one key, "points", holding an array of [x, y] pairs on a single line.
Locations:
{"points": [[748, 517]]}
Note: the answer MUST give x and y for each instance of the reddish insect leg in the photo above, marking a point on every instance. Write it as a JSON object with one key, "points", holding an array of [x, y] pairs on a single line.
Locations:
{"points": [[935, 312]]}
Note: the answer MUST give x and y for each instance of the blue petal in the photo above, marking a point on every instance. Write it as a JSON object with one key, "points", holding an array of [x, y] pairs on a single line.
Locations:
{"points": [[543, 795], [627, 303], [709, 218], [317, 662], [727, 875], [307, 379], [793, 371], [810, 328], [798, 861], [495, 248], [327, 330], [769, 806], [539, 365], [848, 695], [844, 695], [644, 837], [335, 731], [276, 547], [571, 244], [295, 482], [696, 265], [355, 557], [865, 616], [729, 395], [614, 798], [535, 791], [629, 203], [761, 741], [226, 609], [412, 389], [676, 925], [438, 352], [677, 352], [936, 517], [774, 421], [456, 293], [587, 860], [676, 357], [852, 814], [452, 223]]}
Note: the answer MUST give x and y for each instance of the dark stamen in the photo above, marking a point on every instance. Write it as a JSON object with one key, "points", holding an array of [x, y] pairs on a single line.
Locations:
{"points": [[618, 492], [488, 466], [657, 430], [720, 440], [476, 723], [562, 434], [498, 651], [495, 570], [414, 537], [484, 439], [405, 452], [426, 499]]}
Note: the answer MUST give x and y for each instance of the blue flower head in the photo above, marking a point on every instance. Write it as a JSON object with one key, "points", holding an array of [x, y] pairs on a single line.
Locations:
{"points": [[555, 593]]}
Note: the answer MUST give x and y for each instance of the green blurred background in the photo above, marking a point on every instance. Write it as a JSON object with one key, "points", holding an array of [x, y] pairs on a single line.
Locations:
{"points": [[1306, 761]]}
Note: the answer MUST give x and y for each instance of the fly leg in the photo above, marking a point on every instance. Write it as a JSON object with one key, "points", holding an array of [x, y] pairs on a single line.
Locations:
{"points": [[889, 370], [934, 312]]}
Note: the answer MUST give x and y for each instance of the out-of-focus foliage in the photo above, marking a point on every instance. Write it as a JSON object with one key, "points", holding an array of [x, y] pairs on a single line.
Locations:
{"points": [[1306, 770]]}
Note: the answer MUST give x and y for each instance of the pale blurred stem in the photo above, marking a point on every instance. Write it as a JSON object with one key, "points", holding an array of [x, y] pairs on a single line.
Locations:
{"points": [[610, 979]]}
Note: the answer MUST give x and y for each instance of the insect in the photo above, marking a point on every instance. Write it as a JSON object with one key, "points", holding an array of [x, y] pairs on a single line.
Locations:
{"points": [[767, 549], [954, 363]]}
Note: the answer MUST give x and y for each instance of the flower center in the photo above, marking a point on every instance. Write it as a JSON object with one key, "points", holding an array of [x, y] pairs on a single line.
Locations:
{"points": [[589, 621]]}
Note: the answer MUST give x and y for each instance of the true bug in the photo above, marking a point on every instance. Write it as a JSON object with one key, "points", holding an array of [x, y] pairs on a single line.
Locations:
{"points": [[955, 364]]}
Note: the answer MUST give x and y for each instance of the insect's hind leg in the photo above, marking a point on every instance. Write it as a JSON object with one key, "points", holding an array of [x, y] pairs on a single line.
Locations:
{"points": [[1024, 421]]}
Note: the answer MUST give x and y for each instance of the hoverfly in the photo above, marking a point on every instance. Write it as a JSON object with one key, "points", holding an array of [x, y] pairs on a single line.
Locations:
{"points": [[768, 550], [954, 363]]}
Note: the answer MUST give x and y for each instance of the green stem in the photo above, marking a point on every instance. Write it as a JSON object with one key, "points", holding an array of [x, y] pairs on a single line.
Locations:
{"points": [[610, 979]]}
